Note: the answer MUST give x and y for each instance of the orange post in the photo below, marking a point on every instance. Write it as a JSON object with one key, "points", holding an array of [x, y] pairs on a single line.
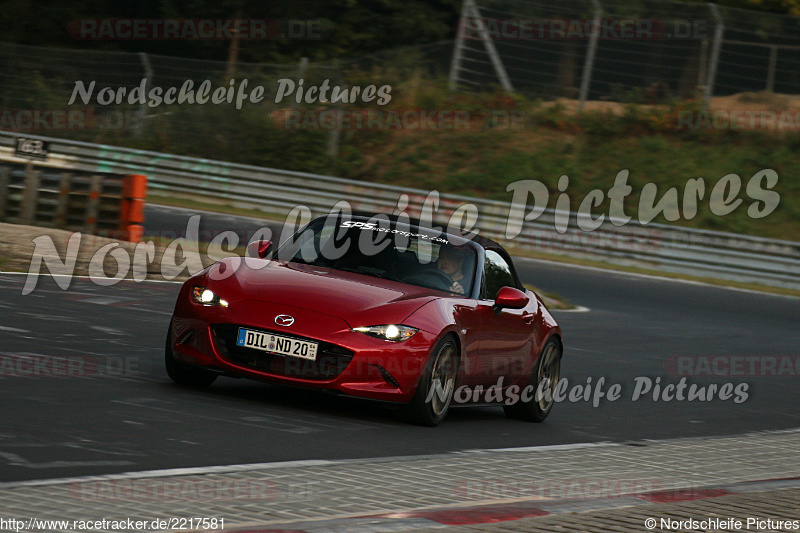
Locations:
{"points": [[134, 192]]}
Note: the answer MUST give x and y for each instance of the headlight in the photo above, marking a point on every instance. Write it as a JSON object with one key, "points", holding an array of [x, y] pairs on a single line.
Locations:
{"points": [[205, 296], [389, 332]]}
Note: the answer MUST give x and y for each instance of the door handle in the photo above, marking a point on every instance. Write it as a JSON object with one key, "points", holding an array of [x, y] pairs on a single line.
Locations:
{"points": [[528, 318]]}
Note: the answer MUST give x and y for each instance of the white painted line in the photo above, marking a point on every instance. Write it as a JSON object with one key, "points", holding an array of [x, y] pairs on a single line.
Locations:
{"points": [[17, 460], [169, 472], [577, 309], [550, 447], [109, 331], [13, 330]]}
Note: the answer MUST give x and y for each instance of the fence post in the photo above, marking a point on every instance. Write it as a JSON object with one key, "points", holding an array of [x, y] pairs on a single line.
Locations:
{"points": [[499, 69], [715, 49], [458, 47], [588, 63], [62, 206], [301, 72], [773, 59], [334, 135], [148, 74], [30, 195], [703, 67], [5, 174], [93, 203]]}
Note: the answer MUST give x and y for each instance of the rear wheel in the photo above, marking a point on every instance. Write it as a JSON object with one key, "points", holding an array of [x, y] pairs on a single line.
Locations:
{"points": [[544, 377], [184, 373], [435, 391]]}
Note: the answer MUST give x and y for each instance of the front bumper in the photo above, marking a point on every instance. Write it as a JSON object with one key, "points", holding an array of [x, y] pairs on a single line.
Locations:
{"points": [[347, 361]]}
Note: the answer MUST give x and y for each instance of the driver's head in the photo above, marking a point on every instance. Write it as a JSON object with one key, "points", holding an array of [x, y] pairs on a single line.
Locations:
{"points": [[450, 260]]}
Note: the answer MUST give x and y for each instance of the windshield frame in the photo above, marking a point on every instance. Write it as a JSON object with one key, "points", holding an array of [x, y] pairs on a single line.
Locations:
{"points": [[346, 227]]}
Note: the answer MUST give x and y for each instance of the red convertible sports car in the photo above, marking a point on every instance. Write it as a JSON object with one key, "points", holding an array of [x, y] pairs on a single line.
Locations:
{"points": [[374, 307]]}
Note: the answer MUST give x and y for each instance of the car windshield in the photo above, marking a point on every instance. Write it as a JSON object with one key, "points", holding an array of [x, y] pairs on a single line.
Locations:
{"points": [[385, 250]]}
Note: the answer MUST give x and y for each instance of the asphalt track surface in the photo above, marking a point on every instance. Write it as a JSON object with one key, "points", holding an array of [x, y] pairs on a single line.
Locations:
{"points": [[83, 390]]}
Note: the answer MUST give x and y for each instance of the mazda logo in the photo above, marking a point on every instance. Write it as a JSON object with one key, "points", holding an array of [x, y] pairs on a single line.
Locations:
{"points": [[284, 320]]}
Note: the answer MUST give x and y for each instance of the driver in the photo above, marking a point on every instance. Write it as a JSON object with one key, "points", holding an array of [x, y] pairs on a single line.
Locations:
{"points": [[450, 262]]}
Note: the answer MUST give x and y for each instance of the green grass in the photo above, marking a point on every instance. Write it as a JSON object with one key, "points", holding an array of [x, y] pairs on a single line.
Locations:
{"points": [[502, 157], [551, 299], [548, 140]]}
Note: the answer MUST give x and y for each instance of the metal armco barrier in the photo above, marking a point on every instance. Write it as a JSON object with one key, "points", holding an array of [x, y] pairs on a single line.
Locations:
{"points": [[98, 203], [654, 246]]}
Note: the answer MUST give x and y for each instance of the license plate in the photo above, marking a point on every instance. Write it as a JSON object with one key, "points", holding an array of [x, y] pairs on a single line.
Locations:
{"points": [[276, 344]]}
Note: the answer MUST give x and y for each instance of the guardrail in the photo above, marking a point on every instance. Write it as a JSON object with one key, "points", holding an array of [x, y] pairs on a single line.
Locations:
{"points": [[99, 203], [656, 246]]}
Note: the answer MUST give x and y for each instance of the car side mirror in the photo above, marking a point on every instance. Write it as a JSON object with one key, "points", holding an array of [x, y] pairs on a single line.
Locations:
{"points": [[259, 249], [510, 298]]}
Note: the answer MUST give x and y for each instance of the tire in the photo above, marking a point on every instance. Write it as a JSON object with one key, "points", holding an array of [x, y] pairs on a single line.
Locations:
{"points": [[183, 373], [548, 368], [429, 405]]}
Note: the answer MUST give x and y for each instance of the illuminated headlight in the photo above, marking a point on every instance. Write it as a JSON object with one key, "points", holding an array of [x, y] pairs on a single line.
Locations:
{"points": [[390, 332], [205, 296]]}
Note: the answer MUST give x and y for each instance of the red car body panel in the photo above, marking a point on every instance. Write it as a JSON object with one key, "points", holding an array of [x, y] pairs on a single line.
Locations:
{"points": [[327, 303]]}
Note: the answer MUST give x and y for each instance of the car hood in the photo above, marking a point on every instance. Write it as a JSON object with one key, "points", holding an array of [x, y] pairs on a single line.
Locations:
{"points": [[358, 299]]}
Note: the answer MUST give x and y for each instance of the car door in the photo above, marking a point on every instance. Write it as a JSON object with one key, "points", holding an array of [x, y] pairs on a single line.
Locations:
{"points": [[506, 334]]}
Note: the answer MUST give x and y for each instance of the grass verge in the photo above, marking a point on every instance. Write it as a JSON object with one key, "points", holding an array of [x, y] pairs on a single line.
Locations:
{"points": [[551, 299]]}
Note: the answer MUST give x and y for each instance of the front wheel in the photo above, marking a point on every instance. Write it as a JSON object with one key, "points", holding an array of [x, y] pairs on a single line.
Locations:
{"points": [[184, 373], [436, 387], [544, 379]]}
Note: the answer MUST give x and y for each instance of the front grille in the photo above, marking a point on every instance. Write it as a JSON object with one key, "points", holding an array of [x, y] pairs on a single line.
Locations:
{"points": [[330, 362], [186, 337]]}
